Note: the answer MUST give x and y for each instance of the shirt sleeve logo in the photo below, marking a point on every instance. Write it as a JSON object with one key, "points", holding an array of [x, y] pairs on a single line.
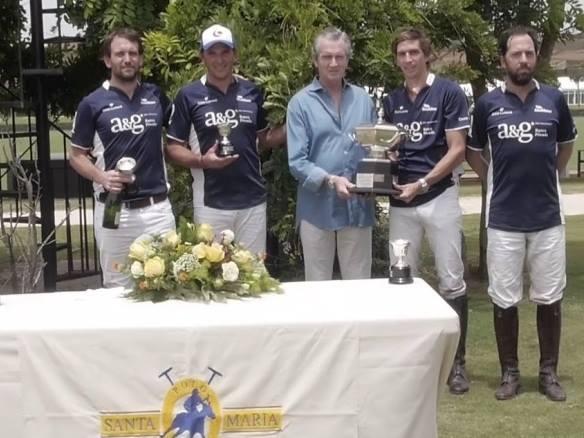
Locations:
{"points": [[134, 124]]}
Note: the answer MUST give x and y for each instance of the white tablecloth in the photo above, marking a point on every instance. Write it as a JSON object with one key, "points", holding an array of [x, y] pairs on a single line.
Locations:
{"points": [[339, 359]]}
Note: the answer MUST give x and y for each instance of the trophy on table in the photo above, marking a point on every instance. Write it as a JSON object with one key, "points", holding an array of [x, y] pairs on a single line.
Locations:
{"points": [[400, 272], [377, 172], [226, 149]]}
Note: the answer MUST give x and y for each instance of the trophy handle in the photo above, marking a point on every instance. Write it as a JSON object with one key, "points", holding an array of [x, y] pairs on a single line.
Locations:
{"points": [[392, 144]]}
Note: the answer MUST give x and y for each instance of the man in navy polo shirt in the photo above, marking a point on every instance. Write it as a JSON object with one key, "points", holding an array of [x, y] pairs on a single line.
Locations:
{"points": [[123, 118], [228, 192], [530, 133], [434, 112]]}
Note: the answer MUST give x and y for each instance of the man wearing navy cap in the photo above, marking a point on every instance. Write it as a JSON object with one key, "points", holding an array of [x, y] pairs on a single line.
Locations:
{"points": [[228, 192], [123, 118], [530, 133], [434, 112]]}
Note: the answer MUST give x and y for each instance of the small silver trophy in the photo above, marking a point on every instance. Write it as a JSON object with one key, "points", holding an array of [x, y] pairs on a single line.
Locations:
{"points": [[400, 272], [226, 149], [377, 172], [126, 165]]}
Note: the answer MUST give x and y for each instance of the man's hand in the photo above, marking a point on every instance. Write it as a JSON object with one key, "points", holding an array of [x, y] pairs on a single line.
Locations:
{"points": [[213, 161], [408, 191], [342, 186], [114, 181]]}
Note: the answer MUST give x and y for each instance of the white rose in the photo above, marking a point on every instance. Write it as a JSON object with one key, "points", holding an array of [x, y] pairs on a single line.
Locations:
{"points": [[205, 233], [171, 239], [154, 267], [140, 250], [230, 271], [137, 270], [227, 237]]}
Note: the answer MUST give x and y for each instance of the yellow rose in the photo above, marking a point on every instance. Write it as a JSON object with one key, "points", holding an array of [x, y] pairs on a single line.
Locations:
{"points": [[214, 253], [242, 256], [205, 233], [137, 270], [139, 250], [170, 239], [154, 267], [199, 250]]}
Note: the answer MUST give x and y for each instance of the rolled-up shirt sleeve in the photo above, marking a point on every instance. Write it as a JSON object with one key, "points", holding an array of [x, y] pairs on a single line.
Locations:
{"points": [[308, 174]]}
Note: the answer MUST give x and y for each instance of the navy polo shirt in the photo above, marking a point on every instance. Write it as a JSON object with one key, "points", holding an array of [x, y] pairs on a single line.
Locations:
{"points": [[439, 107], [111, 125], [198, 108], [523, 191]]}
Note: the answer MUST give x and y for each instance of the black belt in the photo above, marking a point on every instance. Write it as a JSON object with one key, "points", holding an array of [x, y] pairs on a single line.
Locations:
{"points": [[138, 203]]}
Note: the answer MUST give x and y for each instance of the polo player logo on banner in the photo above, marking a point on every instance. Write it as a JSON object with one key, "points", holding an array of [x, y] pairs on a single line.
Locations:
{"points": [[191, 409], [199, 406]]}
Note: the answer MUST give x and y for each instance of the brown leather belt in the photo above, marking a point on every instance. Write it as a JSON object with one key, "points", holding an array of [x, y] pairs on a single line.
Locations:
{"points": [[138, 203]]}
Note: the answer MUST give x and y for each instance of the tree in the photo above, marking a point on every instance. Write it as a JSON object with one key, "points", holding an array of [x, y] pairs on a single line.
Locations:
{"points": [[11, 23], [274, 42]]}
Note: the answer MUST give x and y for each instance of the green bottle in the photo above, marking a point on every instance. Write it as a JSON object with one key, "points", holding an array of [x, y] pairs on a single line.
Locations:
{"points": [[112, 210], [113, 202]]}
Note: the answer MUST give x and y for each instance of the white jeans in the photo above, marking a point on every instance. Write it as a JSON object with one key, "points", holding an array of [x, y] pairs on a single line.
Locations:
{"points": [[441, 221], [352, 244], [114, 245], [248, 224], [545, 254]]}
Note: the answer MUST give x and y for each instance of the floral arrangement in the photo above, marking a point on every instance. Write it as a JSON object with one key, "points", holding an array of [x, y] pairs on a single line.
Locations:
{"points": [[188, 264]]}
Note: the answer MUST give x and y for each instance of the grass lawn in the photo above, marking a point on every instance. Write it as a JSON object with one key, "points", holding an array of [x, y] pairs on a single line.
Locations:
{"points": [[478, 414]]}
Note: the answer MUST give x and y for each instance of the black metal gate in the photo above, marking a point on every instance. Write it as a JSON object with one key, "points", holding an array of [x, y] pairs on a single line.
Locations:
{"points": [[66, 203]]}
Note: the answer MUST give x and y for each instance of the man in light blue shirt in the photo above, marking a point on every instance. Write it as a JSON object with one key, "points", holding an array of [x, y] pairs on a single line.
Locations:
{"points": [[322, 156]]}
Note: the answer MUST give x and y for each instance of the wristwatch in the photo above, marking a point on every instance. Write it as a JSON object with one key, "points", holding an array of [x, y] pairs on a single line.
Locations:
{"points": [[424, 184]]}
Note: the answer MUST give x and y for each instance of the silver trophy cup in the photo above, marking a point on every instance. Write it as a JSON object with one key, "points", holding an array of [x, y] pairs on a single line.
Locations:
{"points": [[400, 272], [226, 149], [377, 172]]}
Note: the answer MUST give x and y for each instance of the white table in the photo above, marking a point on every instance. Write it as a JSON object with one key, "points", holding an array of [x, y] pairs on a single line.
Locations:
{"points": [[339, 359]]}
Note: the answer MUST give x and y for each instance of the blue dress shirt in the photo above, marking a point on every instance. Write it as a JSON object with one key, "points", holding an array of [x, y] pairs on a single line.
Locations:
{"points": [[321, 143]]}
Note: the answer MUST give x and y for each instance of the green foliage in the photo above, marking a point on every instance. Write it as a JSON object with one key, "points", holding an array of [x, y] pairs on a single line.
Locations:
{"points": [[274, 41], [11, 23]]}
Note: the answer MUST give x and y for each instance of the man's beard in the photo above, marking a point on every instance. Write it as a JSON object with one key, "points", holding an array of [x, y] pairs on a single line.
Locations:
{"points": [[126, 77], [520, 78]]}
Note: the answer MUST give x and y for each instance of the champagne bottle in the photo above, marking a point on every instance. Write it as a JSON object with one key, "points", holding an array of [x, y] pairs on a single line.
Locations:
{"points": [[112, 210], [113, 202]]}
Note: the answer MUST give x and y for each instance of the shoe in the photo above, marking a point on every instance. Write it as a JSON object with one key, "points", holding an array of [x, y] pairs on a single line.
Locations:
{"points": [[458, 382], [509, 387], [550, 387]]}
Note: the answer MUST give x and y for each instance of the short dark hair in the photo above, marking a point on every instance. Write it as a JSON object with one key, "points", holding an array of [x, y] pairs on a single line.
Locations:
{"points": [[516, 31], [412, 34], [126, 33]]}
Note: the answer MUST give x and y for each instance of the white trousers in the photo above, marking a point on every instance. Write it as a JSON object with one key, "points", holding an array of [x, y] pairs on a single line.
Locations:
{"points": [[248, 224], [352, 245], [545, 254], [114, 245], [441, 221]]}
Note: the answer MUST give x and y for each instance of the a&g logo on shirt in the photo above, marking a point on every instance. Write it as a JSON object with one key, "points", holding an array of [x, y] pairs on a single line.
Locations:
{"points": [[134, 123], [229, 116], [522, 132], [414, 131]]}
